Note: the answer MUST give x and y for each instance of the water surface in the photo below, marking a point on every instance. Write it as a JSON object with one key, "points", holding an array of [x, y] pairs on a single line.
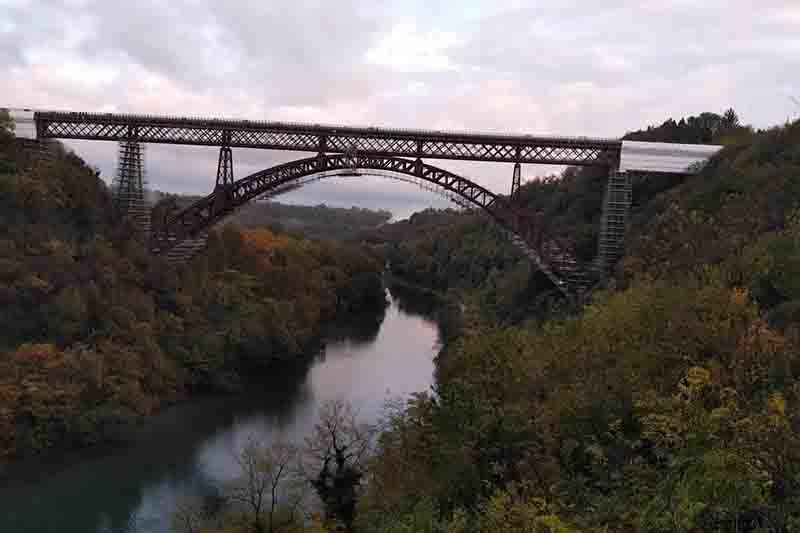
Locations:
{"points": [[190, 447]]}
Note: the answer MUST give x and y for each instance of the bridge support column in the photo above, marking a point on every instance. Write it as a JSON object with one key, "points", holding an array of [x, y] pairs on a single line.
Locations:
{"points": [[321, 157], [418, 166], [223, 188], [614, 221], [322, 162], [225, 167], [129, 188], [516, 180]]}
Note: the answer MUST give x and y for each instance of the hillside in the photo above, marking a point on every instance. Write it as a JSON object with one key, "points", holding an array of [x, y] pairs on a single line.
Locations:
{"points": [[670, 403], [452, 250], [750, 189], [95, 333], [310, 222]]}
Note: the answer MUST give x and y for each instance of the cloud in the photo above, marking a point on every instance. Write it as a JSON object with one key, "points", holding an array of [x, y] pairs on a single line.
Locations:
{"points": [[407, 50], [550, 66]]}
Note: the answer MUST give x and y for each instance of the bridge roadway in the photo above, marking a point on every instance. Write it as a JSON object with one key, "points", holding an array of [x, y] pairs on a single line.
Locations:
{"points": [[322, 139]]}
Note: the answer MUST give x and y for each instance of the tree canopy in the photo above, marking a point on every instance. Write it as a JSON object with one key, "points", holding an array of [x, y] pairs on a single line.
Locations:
{"points": [[96, 333], [669, 403]]}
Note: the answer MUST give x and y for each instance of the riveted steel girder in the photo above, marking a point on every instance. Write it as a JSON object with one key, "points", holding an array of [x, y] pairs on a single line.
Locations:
{"points": [[225, 167], [389, 142]]}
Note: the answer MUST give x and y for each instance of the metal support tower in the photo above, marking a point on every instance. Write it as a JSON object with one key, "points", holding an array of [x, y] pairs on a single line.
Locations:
{"points": [[225, 167], [130, 185], [516, 180], [351, 156], [614, 221], [225, 164]]}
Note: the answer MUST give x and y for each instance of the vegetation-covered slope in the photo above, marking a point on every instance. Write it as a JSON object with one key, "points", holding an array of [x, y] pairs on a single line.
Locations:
{"points": [[311, 222], [465, 251], [750, 189], [670, 403], [462, 252], [95, 332]]}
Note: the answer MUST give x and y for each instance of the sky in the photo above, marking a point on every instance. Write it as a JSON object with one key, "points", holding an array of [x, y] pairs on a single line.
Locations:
{"points": [[563, 67]]}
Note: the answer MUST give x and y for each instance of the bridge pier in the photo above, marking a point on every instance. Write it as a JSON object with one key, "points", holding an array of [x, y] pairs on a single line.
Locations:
{"points": [[129, 188], [225, 163], [321, 161], [613, 221], [225, 167], [516, 180]]}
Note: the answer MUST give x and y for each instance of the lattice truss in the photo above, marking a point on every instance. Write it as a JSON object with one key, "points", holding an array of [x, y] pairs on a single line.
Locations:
{"points": [[396, 152], [206, 211], [331, 139], [614, 220], [550, 258], [256, 184], [129, 186], [186, 249], [413, 180]]}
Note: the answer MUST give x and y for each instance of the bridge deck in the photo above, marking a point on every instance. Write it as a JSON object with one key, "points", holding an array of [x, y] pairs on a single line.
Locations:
{"points": [[389, 142], [665, 157]]}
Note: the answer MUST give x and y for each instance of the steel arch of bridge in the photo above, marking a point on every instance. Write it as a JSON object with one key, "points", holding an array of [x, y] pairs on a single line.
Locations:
{"points": [[344, 173], [225, 198]]}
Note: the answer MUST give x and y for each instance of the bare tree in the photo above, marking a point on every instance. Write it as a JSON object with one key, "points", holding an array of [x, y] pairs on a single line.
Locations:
{"points": [[188, 516], [334, 459], [269, 489]]}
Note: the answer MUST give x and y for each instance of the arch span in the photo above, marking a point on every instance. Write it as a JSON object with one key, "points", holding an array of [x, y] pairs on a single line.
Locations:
{"points": [[206, 212], [412, 180]]}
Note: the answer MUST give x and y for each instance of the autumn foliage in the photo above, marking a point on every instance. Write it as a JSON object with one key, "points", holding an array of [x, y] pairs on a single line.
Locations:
{"points": [[95, 333], [670, 403]]}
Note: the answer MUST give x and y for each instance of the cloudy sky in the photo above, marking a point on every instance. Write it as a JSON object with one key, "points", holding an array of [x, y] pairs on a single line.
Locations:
{"points": [[568, 67]]}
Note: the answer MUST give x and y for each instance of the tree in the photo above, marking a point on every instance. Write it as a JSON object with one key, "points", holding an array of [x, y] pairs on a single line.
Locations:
{"points": [[334, 460], [269, 489], [188, 516], [6, 122], [730, 119], [510, 512]]}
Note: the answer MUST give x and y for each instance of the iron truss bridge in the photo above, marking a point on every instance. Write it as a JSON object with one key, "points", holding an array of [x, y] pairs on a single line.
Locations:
{"points": [[397, 153], [317, 138]]}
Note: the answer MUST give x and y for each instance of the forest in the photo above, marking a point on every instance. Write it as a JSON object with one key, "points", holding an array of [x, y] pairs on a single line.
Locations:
{"points": [[96, 333], [320, 222], [669, 402]]}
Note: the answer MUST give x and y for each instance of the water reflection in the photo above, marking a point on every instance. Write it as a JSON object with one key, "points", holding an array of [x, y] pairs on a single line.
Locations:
{"points": [[191, 449]]}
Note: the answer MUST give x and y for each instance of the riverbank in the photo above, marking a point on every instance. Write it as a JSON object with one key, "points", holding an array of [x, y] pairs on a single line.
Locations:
{"points": [[189, 448], [85, 366], [421, 289], [134, 429]]}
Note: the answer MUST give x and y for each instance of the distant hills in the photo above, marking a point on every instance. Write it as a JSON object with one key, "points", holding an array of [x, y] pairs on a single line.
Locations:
{"points": [[313, 222]]}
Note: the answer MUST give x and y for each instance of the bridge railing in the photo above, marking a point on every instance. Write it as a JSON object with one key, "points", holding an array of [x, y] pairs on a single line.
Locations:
{"points": [[221, 123]]}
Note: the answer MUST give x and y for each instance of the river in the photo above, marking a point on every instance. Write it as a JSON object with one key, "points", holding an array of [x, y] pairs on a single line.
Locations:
{"points": [[191, 447]]}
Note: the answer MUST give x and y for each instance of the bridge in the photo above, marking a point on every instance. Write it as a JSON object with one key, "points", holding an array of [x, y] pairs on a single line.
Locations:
{"points": [[389, 152]]}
